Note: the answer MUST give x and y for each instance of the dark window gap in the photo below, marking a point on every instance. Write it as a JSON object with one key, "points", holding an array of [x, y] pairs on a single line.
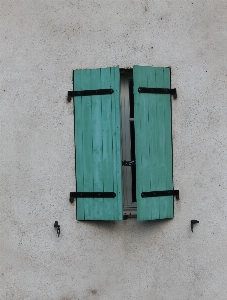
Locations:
{"points": [[132, 132]]}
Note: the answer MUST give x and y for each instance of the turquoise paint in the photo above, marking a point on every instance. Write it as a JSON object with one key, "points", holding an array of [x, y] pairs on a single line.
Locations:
{"points": [[153, 135], [97, 142]]}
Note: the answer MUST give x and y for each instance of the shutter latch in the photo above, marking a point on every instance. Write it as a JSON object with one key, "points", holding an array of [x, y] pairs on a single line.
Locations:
{"points": [[57, 226], [193, 222], [131, 163]]}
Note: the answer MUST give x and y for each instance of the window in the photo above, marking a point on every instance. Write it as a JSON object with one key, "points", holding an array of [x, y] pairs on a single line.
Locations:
{"points": [[128, 142], [109, 130]]}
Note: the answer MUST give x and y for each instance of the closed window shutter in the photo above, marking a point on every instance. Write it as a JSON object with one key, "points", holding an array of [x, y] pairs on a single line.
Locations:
{"points": [[97, 142], [153, 138]]}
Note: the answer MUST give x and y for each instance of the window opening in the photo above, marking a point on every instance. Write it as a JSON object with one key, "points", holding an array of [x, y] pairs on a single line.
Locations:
{"points": [[128, 141], [132, 134]]}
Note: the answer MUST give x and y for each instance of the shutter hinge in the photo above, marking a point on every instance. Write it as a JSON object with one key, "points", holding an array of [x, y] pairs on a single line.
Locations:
{"points": [[161, 193], [145, 90], [89, 93], [91, 195]]}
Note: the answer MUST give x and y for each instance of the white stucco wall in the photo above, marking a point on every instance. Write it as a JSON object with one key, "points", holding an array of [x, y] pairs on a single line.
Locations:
{"points": [[41, 43]]}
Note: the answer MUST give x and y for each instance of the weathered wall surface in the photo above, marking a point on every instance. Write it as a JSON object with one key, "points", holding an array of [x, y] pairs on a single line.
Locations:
{"points": [[41, 43]]}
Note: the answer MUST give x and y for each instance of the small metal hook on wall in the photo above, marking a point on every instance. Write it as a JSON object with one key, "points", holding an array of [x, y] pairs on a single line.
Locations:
{"points": [[58, 227], [193, 222]]}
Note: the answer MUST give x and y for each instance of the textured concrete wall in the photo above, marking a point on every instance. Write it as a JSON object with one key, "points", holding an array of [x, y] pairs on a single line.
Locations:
{"points": [[41, 43]]}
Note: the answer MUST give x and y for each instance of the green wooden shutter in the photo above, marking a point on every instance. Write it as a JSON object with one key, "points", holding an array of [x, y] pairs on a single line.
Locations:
{"points": [[153, 137], [97, 141]]}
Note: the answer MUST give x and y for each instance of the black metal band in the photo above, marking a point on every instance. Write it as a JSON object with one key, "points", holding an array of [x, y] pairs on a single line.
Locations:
{"points": [[158, 91], [92, 195], [161, 193], [90, 92]]}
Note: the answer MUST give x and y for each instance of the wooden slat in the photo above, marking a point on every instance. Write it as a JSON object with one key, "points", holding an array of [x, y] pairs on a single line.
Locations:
{"points": [[116, 143], [97, 139], [153, 136], [78, 123]]}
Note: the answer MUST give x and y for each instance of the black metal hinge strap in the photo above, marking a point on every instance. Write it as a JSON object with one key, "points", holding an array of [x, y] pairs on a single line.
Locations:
{"points": [[161, 193], [90, 92], [92, 195], [158, 91]]}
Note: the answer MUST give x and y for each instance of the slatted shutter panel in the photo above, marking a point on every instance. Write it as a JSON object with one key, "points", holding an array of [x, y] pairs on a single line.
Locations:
{"points": [[153, 138], [97, 142]]}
